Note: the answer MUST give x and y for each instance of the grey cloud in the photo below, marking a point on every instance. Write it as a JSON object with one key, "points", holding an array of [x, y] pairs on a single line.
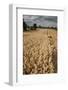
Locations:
{"points": [[41, 20]]}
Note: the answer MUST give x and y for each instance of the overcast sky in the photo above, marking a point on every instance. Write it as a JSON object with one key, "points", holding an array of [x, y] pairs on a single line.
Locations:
{"points": [[47, 21]]}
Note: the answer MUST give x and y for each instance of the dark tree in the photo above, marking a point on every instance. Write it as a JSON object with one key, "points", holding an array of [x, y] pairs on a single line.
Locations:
{"points": [[34, 26], [24, 25]]}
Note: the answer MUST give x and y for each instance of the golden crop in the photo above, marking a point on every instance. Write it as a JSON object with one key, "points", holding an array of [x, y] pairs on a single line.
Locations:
{"points": [[40, 51]]}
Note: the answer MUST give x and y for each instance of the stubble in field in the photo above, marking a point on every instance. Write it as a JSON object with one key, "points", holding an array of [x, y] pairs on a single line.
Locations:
{"points": [[40, 51]]}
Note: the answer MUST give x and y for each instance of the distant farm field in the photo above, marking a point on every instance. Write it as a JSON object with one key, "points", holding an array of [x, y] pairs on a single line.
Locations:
{"points": [[40, 51]]}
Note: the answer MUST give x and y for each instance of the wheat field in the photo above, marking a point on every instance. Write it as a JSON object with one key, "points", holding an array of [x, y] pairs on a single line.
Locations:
{"points": [[40, 51]]}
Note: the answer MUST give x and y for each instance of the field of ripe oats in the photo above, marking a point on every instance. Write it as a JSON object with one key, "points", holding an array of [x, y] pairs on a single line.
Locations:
{"points": [[40, 51]]}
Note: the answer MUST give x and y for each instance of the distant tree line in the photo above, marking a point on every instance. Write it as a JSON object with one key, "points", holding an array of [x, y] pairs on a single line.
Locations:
{"points": [[34, 27], [26, 27], [47, 27]]}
